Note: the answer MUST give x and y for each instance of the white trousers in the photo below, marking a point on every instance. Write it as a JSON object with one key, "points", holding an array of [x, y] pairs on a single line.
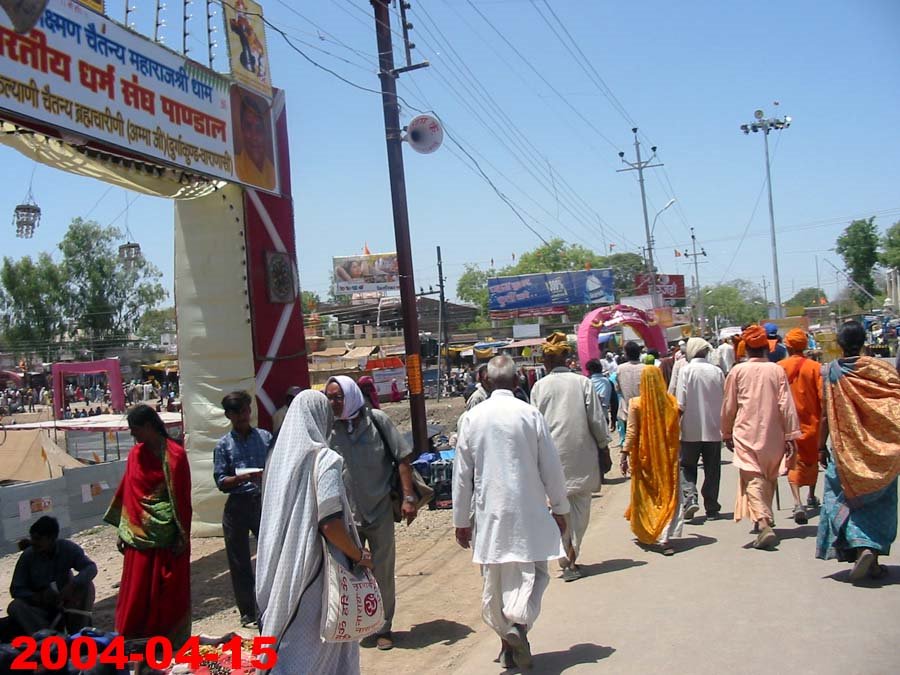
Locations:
{"points": [[577, 521], [512, 594]]}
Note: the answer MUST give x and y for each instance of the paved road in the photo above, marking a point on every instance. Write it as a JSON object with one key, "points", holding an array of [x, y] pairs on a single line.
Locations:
{"points": [[715, 607]]}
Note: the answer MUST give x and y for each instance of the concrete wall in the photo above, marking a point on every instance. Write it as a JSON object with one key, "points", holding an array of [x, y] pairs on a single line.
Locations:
{"points": [[78, 501]]}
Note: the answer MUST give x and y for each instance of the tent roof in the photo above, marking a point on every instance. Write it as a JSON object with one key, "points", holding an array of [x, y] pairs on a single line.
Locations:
{"points": [[530, 342], [393, 350], [96, 423], [330, 353], [359, 353], [31, 455]]}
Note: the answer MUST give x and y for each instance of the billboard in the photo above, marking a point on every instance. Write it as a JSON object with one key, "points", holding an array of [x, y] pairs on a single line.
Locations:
{"points": [[247, 50], [552, 290], [85, 74], [373, 273], [669, 286]]}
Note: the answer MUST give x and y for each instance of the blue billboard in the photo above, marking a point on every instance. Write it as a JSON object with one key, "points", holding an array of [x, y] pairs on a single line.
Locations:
{"points": [[556, 289]]}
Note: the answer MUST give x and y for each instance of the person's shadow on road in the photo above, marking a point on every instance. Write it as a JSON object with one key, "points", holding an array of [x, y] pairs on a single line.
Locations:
{"points": [[430, 633], [607, 566], [891, 577], [555, 663]]}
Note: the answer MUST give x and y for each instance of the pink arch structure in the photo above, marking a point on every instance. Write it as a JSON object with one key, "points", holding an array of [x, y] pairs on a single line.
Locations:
{"points": [[605, 318]]}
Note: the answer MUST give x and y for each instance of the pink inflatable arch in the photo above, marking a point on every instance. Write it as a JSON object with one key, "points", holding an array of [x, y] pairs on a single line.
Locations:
{"points": [[597, 320]]}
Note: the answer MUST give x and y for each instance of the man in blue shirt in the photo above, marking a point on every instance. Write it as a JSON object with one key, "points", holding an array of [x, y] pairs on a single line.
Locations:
{"points": [[238, 462]]}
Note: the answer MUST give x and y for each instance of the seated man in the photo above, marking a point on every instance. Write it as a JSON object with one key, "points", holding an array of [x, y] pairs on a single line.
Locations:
{"points": [[43, 586]]}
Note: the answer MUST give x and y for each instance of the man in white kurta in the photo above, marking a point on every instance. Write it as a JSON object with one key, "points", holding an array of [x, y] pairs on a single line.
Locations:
{"points": [[573, 412], [507, 465]]}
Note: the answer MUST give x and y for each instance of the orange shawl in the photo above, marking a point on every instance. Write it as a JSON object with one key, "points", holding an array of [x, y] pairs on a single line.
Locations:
{"points": [[654, 458], [862, 401]]}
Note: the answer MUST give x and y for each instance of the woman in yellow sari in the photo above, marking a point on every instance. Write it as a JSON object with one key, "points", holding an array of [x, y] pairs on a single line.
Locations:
{"points": [[652, 444]]}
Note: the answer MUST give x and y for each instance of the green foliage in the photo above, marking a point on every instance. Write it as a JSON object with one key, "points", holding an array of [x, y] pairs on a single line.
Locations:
{"points": [[858, 246], [155, 322], [472, 287], [890, 247], [32, 300], [736, 303], [309, 301], [807, 297], [90, 290]]}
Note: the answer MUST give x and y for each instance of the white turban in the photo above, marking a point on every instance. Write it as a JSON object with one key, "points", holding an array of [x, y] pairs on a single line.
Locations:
{"points": [[695, 345]]}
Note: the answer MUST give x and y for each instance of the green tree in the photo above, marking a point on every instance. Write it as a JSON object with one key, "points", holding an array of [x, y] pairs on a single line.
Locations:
{"points": [[309, 301], [807, 297], [107, 297], [890, 247], [735, 303], [155, 322], [472, 287], [33, 297], [858, 246]]}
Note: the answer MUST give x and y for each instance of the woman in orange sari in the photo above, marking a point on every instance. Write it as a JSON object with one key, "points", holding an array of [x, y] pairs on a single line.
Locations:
{"points": [[152, 511], [652, 441]]}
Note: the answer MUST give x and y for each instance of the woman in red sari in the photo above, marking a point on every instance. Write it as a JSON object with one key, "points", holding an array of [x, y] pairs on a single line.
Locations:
{"points": [[152, 511]]}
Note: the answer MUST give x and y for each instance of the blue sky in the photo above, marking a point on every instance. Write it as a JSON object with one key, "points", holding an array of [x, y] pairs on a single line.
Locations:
{"points": [[688, 74]]}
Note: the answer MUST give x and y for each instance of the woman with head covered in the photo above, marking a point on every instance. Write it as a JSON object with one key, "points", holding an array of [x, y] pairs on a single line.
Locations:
{"points": [[303, 497]]}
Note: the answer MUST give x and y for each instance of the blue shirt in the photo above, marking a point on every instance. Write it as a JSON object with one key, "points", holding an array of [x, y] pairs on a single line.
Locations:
{"points": [[603, 387], [233, 452]]}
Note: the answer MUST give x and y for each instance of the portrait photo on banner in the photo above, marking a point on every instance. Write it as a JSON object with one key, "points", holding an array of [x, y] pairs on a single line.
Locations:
{"points": [[247, 50], [253, 140]]}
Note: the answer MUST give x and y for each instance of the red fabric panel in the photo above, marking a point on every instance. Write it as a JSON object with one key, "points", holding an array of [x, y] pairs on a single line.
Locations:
{"points": [[288, 365], [109, 366]]}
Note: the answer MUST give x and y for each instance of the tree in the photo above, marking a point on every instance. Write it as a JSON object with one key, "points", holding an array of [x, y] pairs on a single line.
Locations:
{"points": [[736, 303], [106, 298], [808, 297], [309, 301], [890, 245], [472, 287], [858, 246], [155, 322], [32, 300]]}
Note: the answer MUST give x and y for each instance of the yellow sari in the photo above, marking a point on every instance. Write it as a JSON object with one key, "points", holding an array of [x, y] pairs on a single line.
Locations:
{"points": [[652, 442]]}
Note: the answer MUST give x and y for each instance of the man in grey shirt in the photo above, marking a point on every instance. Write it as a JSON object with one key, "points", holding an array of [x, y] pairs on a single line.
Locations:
{"points": [[43, 586], [370, 445]]}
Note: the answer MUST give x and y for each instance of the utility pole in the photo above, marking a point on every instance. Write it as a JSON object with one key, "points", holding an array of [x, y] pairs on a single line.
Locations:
{"points": [[767, 125], [695, 255], [639, 166], [393, 138], [443, 324], [765, 285]]}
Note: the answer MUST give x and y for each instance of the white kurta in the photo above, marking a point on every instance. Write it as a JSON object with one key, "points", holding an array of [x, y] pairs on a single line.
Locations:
{"points": [[505, 457], [577, 424]]}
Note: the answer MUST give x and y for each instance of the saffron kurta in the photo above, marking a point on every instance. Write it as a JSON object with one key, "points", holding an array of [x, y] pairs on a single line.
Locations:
{"points": [[805, 379], [152, 511], [758, 413]]}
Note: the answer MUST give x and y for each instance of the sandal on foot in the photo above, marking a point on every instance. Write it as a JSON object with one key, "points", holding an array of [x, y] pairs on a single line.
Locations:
{"points": [[878, 572], [800, 515], [864, 562]]}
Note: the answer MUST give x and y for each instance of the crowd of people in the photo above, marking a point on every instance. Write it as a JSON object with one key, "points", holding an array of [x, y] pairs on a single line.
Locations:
{"points": [[334, 478]]}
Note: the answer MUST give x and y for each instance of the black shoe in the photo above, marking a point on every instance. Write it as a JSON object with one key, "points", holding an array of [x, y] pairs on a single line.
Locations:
{"points": [[813, 502], [249, 622], [712, 515], [691, 510]]}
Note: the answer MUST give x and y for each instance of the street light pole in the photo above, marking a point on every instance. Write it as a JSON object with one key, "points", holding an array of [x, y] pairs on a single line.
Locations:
{"points": [[767, 125], [639, 166]]}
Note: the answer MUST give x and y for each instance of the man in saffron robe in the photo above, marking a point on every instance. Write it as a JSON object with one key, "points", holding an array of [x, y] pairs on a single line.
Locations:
{"points": [[805, 378], [759, 424], [152, 511]]}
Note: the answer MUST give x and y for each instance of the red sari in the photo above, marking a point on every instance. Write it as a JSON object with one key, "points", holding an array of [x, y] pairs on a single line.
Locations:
{"points": [[152, 510]]}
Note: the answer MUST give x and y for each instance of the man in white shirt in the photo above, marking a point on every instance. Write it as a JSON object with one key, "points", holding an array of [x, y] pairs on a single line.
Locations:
{"points": [[507, 462], [577, 424], [725, 353], [701, 387]]}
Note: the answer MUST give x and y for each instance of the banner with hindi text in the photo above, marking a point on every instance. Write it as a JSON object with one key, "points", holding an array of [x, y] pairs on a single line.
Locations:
{"points": [[86, 75]]}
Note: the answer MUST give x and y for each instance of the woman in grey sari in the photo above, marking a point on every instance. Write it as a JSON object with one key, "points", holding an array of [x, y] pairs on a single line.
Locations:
{"points": [[298, 506]]}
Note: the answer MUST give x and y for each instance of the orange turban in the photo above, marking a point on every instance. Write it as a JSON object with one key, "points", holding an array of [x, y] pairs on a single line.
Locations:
{"points": [[795, 340], [755, 337], [556, 345]]}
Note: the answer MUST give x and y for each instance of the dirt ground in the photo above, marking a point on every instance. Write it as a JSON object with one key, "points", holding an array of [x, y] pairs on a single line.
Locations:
{"points": [[438, 587]]}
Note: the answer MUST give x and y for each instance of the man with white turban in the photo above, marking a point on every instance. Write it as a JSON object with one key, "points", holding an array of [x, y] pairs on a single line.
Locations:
{"points": [[577, 424], [700, 392]]}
